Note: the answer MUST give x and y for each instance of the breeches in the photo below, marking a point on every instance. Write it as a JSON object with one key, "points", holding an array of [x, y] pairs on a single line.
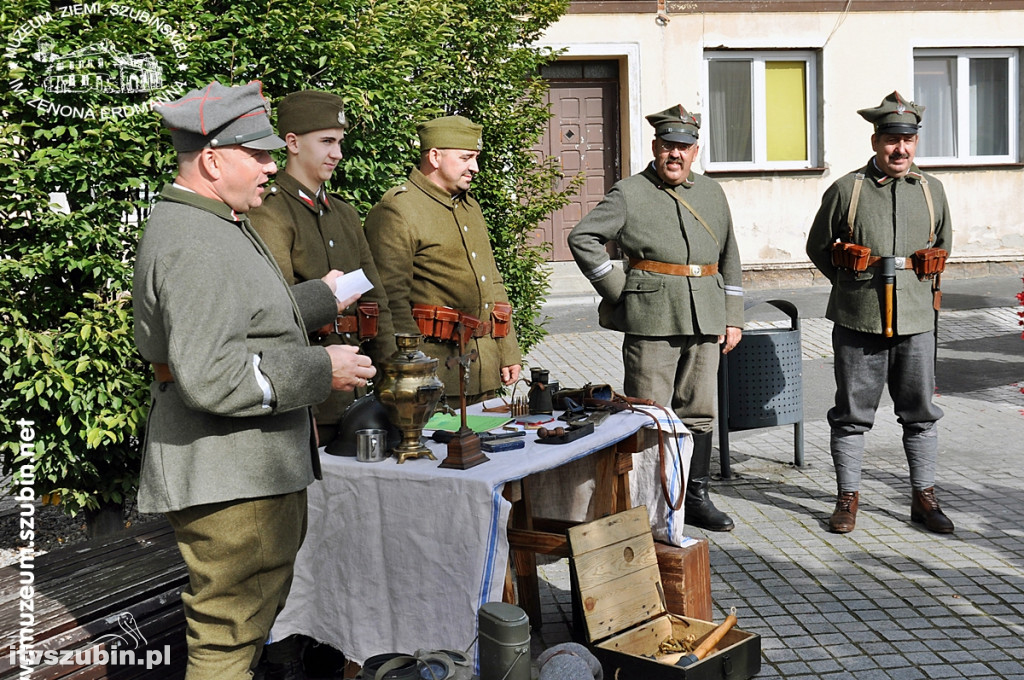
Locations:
{"points": [[678, 371], [240, 557], [864, 364]]}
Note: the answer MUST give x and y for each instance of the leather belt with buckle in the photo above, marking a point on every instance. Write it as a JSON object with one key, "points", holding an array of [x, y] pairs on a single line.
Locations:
{"points": [[694, 270]]}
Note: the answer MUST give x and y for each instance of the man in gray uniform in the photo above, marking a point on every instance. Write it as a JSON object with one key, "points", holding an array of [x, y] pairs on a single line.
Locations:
{"points": [[680, 300], [881, 237], [229, 447]]}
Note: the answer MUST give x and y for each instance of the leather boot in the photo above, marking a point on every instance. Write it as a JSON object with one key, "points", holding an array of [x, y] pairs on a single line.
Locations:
{"points": [[283, 659], [844, 517], [700, 511], [924, 509]]}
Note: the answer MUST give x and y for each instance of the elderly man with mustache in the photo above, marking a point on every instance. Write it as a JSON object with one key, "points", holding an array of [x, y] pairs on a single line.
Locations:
{"points": [[881, 237], [680, 299]]}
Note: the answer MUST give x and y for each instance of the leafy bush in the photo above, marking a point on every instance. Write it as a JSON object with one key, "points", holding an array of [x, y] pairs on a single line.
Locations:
{"points": [[78, 180]]}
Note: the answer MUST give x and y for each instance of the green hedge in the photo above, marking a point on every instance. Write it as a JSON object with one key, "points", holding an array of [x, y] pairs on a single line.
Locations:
{"points": [[79, 174]]}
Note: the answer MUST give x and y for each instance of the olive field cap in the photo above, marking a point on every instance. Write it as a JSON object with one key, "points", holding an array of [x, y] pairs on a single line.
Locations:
{"points": [[309, 110], [895, 115], [217, 115], [676, 124], [450, 132]]}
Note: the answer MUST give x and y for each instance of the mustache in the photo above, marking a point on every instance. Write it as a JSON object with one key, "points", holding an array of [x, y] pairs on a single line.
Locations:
{"points": [[897, 156]]}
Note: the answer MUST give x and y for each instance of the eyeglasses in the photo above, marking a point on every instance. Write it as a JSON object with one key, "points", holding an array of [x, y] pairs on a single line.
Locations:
{"points": [[665, 145]]}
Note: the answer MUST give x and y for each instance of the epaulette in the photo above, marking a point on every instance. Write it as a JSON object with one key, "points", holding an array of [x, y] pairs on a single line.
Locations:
{"points": [[395, 191]]}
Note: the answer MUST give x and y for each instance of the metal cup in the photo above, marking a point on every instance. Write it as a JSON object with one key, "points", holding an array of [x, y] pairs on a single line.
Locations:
{"points": [[371, 445]]}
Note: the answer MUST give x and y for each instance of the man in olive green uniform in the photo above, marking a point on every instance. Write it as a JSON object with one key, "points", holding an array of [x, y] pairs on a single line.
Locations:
{"points": [[680, 300], [430, 243], [310, 231], [229, 448], [883, 309]]}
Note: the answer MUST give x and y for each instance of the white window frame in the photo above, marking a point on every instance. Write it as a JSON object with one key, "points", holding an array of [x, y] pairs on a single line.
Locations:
{"points": [[963, 103], [760, 144]]}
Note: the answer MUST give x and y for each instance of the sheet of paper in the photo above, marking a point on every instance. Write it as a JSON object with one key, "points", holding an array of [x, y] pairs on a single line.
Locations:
{"points": [[350, 284]]}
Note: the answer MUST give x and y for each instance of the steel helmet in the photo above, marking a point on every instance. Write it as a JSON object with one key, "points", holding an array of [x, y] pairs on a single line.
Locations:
{"points": [[365, 413]]}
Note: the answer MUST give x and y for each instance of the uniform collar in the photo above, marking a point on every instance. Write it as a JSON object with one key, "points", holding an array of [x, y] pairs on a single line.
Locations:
{"points": [[656, 179], [179, 194], [436, 192], [882, 179], [302, 193]]}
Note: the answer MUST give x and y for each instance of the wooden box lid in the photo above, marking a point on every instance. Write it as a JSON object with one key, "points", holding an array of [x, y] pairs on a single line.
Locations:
{"points": [[616, 568]]}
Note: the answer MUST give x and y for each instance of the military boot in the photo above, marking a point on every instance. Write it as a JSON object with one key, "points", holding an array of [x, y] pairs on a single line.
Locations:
{"points": [[700, 511], [844, 517], [924, 509], [283, 659]]}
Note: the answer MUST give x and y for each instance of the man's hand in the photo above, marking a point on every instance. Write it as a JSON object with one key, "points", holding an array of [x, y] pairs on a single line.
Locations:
{"points": [[330, 279], [349, 368], [510, 374], [730, 339]]}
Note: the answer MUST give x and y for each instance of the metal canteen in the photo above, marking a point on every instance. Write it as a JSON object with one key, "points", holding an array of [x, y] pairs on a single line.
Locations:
{"points": [[409, 389]]}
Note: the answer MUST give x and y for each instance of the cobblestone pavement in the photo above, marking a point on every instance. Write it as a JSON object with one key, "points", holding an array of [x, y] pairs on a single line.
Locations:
{"points": [[889, 600]]}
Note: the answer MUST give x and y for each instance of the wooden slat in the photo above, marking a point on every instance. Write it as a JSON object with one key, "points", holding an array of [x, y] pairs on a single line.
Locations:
{"points": [[80, 590], [592, 535], [615, 567]]}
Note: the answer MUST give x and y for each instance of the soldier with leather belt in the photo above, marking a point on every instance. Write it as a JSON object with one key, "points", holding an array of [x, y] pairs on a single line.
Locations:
{"points": [[881, 237], [680, 299], [311, 231], [429, 240]]}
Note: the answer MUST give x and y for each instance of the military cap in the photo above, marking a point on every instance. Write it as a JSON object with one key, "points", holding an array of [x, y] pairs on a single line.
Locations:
{"points": [[895, 115], [217, 115], [676, 124], [309, 110], [450, 132]]}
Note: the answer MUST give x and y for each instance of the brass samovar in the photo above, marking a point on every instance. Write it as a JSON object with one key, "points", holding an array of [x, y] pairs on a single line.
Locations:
{"points": [[409, 389]]}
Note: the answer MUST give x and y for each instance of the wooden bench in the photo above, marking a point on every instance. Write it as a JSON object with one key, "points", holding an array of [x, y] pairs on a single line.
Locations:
{"points": [[121, 596]]}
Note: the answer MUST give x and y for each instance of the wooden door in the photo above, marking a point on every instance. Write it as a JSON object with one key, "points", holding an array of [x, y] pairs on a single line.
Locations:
{"points": [[583, 134]]}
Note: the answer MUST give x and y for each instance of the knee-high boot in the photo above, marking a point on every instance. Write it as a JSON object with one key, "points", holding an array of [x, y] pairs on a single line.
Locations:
{"points": [[700, 511]]}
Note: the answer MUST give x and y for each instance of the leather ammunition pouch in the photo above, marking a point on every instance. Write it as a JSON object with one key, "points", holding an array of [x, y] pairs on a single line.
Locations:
{"points": [[441, 324], [363, 322], [850, 256], [501, 320], [928, 262]]}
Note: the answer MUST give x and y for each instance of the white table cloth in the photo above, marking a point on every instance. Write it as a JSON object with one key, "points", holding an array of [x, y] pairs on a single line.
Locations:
{"points": [[401, 557]]}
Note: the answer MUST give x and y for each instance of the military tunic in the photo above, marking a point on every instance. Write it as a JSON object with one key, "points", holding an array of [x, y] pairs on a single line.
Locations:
{"points": [[672, 323], [309, 236], [433, 248], [210, 302], [892, 219], [647, 223]]}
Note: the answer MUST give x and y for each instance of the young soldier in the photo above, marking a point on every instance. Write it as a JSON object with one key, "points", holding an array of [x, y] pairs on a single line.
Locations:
{"points": [[310, 231]]}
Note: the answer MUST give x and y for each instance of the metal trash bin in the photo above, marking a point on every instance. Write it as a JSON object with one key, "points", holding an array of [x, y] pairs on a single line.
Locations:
{"points": [[760, 384]]}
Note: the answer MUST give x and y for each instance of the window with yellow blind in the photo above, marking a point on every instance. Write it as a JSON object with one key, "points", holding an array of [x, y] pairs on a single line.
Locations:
{"points": [[762, 110]]}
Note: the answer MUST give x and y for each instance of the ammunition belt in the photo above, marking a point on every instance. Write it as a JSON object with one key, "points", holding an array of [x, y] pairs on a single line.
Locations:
{"points": [[363, 323], [901, 262], [441, 324], [674, 269]]}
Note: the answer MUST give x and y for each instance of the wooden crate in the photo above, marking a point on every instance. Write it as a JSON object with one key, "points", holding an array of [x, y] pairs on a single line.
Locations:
{"points": [[614, 561], [686, 578]]}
